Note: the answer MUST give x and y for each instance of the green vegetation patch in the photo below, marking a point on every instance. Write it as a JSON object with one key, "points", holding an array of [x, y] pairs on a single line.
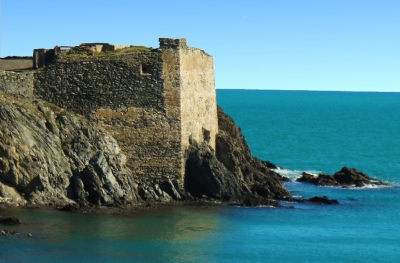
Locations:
{"points": [[132, 49]]}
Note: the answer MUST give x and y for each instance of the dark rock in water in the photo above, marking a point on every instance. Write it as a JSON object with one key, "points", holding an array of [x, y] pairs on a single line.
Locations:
{"points": [[350, 176], [345, 177], [270, 165], [323, 200], [69, 208], [254, 201], [306, 178], [7, 232], [10, 221], [321, 179], [284, 178]]}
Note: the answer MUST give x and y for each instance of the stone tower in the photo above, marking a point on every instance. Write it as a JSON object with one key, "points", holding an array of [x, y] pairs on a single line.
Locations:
{"points": [[152, 102]]}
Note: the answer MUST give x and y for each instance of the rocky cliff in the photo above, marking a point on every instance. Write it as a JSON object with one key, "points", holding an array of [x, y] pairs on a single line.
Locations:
{"points": [[231, 173], [50, 156]]}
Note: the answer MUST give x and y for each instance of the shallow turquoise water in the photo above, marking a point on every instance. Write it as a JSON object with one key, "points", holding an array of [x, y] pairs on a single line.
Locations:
{"points": [[301, 131], [322, 131]]}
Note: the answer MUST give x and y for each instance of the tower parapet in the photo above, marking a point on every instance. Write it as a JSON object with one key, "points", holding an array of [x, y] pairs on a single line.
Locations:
{"points": [[172, 43]]}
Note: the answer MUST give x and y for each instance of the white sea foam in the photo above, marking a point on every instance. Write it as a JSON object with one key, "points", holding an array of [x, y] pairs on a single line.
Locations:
{"points": [[368, 186], [265, 206], [294, 174]]}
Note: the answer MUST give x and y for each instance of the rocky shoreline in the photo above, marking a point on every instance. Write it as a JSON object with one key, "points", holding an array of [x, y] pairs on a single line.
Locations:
{"points": [[53, 158], [346, 177]]}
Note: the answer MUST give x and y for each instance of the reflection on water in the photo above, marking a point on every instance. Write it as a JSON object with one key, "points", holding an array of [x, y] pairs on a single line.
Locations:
{"points": [[364, 227], [169, 233]]}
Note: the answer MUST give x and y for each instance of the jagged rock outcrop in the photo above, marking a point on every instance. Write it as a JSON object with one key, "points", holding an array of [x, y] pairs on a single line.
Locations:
{"points": [[10, 221], [346, 177], [49, 156], [233, 152], [205, 176], [232, 174]]}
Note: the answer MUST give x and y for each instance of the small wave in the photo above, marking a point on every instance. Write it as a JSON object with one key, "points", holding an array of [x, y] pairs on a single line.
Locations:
{"points": [[294, 174], [368, 186], [265, 206]]}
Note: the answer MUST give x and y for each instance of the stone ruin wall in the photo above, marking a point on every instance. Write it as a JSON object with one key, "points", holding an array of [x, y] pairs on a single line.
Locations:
{"points": [[196, 90], [127, 96], [198, 97], [19, 84], [86, 84]]}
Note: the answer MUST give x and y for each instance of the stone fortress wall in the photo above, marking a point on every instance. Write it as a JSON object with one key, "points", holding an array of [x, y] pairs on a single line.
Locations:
{"points": [[19, 84], [86, 84], [198, 98], [153, 103]]}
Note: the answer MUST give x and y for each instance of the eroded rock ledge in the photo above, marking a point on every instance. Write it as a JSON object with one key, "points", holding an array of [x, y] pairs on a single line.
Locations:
{"points": [[346, 177]]}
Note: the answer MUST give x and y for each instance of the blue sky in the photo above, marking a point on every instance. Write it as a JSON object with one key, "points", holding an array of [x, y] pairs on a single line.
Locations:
{"points": [[347, 45]]}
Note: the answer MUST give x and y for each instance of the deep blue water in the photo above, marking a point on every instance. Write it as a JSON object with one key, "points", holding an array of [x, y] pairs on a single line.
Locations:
{"points": [[298, 130]]}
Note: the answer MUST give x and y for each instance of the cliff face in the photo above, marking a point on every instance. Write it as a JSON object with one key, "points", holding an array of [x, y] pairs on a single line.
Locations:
{"points": [[48, 155], [234, 153]]}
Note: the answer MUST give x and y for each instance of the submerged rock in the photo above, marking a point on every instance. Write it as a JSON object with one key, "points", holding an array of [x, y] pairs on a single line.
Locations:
{"points": [[10, 221], [7, 232], [69, 208], [346, 177], [321, 179], [323, 200]]}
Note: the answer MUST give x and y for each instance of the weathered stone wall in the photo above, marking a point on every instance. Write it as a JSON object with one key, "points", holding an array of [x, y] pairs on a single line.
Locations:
{"points": [[133, 96], [86, 84], [17, 84], [198, 97], [148, 138], [171, 80]]}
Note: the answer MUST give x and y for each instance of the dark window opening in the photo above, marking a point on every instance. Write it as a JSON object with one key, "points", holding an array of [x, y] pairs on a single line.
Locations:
{"points": [[206, 136], [146, 69]]}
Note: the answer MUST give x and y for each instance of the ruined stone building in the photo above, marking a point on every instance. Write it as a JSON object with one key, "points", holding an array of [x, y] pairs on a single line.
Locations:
{"points": [[153, 102]]}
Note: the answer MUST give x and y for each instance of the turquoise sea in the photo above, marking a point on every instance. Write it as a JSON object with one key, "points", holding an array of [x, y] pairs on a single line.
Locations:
{"points": [[298, 130]]}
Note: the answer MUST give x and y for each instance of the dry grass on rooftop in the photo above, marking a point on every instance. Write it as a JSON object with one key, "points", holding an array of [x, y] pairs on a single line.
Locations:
{"points": [[15, 64]]}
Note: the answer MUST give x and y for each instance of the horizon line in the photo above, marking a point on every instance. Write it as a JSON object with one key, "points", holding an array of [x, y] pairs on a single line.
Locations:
{"points": [[364, 91]]}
